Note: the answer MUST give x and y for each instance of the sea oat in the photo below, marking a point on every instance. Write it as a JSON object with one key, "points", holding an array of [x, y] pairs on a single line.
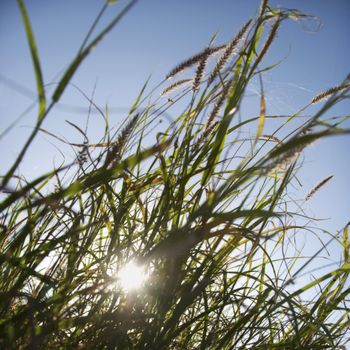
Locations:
{"points": [[174, 86], [317, 187], [228, 51], [329, 92]]}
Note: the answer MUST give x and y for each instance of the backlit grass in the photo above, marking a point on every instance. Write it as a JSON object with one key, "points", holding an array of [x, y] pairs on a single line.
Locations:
{"points": [[183, 240]]}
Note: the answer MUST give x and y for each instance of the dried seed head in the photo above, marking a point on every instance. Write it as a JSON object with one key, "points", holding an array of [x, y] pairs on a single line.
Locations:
{"points": [[263, 6], [203, 138], [82, 157], [284, 160], [307, 128], [269, 40], [228, 51], [270, 138], [219, 103], [115, 153], [200, 71], [174, 86], [329, 92], [194, 60], [317, 187], [209, 130]]}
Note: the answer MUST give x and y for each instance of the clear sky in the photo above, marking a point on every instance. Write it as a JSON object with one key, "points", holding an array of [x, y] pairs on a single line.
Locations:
{"points": [[153, 38]]}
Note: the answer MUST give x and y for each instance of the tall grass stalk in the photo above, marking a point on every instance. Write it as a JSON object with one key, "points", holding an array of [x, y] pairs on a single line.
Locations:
{"points": [[204, 214]]}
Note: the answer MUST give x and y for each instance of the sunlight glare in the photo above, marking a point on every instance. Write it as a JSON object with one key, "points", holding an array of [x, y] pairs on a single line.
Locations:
{"points": [[132, 276]]}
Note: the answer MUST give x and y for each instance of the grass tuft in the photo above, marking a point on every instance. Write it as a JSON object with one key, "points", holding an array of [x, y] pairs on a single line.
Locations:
{"points": [[192, 242]]}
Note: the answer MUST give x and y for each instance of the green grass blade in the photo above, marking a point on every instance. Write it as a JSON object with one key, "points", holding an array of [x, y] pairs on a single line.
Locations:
{"points": [[35, 59]]}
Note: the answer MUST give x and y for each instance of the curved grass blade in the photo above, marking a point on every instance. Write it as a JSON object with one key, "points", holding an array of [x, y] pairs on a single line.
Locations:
{"points": [[35, 59]]}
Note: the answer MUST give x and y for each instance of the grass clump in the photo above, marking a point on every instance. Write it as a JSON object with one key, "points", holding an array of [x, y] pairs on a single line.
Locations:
{"points": [[202, 215]]}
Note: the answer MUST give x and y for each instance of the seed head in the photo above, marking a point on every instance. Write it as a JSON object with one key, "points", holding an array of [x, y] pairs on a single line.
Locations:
{"points": [[317, 187], [269, 40], [175, 86], [219, 103], [194, 60], [329, 92], [228, 51], [200, 71], [115, 153]]}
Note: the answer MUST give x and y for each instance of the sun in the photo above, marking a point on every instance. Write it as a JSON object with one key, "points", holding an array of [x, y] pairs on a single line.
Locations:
{"points": [[132, 276]]}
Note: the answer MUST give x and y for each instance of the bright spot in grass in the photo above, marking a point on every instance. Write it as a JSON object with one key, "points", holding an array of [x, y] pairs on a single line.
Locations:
{"points": [[132, 276]]}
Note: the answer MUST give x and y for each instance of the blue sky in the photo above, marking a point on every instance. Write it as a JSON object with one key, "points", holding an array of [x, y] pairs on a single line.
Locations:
{"points": [[151, 39]]}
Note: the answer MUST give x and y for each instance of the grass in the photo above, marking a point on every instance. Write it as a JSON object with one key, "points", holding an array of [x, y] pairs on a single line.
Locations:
{"points": [[203, 213]]}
